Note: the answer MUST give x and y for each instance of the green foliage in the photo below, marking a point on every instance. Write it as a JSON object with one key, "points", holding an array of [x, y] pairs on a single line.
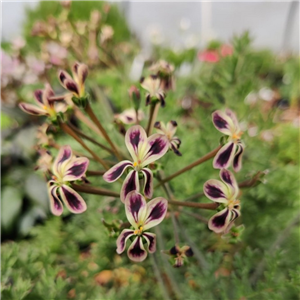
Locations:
{"points": [[73, 256]]}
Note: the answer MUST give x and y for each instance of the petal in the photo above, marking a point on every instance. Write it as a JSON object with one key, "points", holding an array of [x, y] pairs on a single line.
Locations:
{"points": [[38, 95], [135, 208], [63, 157], [171, 128], [47, 94], [55, 203], [72, 200], [151, 241], [158, 146], [80, 71], [219, 222], [32, 109], [222, 122], [116, 171], [161, 127], [224, 157], [156, 212], [237, 161], [229, 179], [235, 214], [136, 252], [67, 82], [75, 168], [216, 191], [148, 182], [174, 146], [131, 183], [233, 117], [122, 239], [136, 141]]}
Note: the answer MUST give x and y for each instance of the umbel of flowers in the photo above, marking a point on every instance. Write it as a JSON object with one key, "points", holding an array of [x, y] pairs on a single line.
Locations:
{"points": [[68, 171]]}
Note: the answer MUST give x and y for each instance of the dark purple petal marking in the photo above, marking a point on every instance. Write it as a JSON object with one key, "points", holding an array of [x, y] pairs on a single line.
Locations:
{"points": [[174, 147], [38, 95], [219, 221], [157, 125], [130, 185], [72, 199], [162, 99], [219, 121], [223, 157], [226, 176], [214, 191], [121, 241], [237, 161], [151, 241], [67, 153], [78, 169], [156, 213], [136, 201], [148, 187], [135, 138], [148, 98], [31, 109], [55, 201], [72, 86], [62, 77], [135, 252], [235, 214], [115, 172], [156, 146]]}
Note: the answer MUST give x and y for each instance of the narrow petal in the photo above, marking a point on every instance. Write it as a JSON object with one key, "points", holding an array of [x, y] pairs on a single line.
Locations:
{"points": [[233, 117], [56, 206], [235, 214], [158, 146], [171, 128], [63, 157], [47, 94], [116, 171], [136, 141], [237, 161], [151, 241], [131, 183], [122, 239], [135, 208], [229, 179], [174, 146], [219, 222], [67, 82], [148, 182], [224, 157], [75, 169], [222, 122], [136, 252], [32, 109], [216, 191], [38, 95], [72, 200], [80, 71], [156, 212]]}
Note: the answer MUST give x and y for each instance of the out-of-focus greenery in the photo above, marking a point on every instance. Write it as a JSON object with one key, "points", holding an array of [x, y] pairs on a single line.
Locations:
{"points": [[73, 256]]}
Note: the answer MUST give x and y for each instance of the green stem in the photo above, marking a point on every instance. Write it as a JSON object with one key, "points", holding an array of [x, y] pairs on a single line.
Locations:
{"points": [[94, 173], [70, 132], [154, 108], [94, 191], [192, 165], [209, 206], [93, 117]]}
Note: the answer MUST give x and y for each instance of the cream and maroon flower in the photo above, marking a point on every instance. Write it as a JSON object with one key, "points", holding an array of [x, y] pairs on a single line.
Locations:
{"points": [[143, 150], [152, 85], [128, 116], [231, 153], [66, 168], [76, 84], [47, 103], [224, 192], [169, 131], [142, 216]]}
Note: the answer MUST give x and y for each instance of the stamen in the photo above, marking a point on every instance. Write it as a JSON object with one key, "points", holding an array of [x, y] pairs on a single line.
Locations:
{"points": [[135, 164]]}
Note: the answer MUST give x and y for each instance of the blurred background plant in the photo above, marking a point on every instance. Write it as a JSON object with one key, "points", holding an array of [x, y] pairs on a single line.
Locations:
{"points": [[73, 257]]}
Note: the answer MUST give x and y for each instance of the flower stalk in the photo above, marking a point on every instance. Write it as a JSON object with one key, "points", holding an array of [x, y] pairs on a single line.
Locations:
{"points": [[154, 108], [93, 190], [192, 165], [70, 132], [209, 206], [93, 117]]}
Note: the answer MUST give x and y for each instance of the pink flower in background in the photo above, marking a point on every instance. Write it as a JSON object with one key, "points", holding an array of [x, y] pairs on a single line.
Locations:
{"points": [[226, 50], [211, 56]]}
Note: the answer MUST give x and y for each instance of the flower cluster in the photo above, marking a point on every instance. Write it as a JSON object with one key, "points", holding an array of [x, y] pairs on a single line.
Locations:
{"points": [[66, 169]]}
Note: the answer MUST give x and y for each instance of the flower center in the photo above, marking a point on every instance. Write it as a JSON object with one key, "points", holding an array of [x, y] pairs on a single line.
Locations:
{"points": [[232, 203], [237, 136], [139, 231]]}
